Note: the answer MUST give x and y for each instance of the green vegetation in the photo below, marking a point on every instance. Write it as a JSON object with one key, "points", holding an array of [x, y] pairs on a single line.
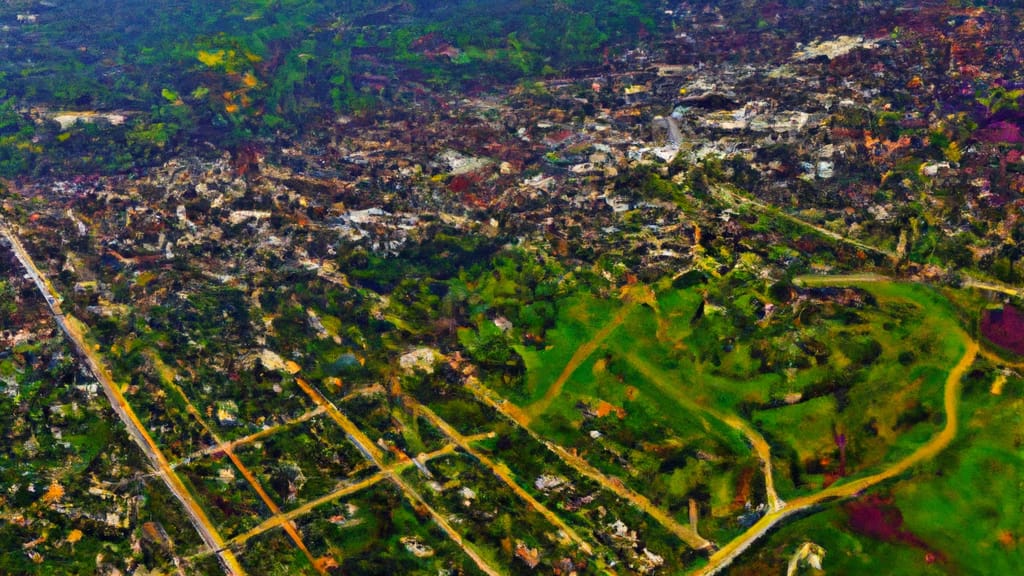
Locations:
{"points": [[612, 361], [495, 522], [231, 503], [943, 523], [724, 351], [309, 461], [71, 481], [366, 532], [260, 69]]}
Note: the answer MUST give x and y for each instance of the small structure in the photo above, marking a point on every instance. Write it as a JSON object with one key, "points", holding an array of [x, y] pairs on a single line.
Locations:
{"points": [[417, 547], [227, 413]]}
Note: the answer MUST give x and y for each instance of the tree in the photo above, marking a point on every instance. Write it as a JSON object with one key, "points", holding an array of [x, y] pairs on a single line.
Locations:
{"points": [[7, 305]]}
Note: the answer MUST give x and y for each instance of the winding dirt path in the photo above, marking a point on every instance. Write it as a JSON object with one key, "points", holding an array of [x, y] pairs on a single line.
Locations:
{"points": [[951, 400], [756, 440]]}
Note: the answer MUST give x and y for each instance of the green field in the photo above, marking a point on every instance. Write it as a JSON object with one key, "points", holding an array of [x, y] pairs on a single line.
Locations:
{"points": [[671, 393], [963, 507]]}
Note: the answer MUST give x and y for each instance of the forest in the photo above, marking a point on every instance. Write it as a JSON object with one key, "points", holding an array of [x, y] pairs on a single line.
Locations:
{"points": [[184, 72]]}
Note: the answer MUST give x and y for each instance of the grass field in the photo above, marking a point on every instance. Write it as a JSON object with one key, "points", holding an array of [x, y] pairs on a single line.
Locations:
{"points": [[681, 386], [958, 514]]}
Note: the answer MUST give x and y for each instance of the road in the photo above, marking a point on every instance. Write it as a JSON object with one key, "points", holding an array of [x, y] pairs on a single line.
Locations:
{"points": [[167, 378], [511, 412], [370, 450], [951, 400], [499, 470], [756, 440], [264, 433], [738, 199], [288, 517], [631, 296], [138, 433], [813, 280], [578, 358], [993, 287], [361, 441], [363, 484]]}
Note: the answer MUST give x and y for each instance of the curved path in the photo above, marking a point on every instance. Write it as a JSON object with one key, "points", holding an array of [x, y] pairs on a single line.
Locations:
{"points": [[951, 401], [756, 440]]}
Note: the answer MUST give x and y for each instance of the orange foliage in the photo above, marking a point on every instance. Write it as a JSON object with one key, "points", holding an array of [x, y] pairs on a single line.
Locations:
{"points": [[54, 493]]}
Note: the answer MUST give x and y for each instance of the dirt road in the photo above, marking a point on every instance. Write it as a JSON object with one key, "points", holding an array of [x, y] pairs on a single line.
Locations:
{"points": [[578, 358], [684, 533], [667, 385], [951, 401], [502, 472]]}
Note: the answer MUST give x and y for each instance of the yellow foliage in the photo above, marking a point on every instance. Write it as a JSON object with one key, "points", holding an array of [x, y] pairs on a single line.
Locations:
{"points": [[211, 58], [952, 152], [34, 148], [254, 58]]}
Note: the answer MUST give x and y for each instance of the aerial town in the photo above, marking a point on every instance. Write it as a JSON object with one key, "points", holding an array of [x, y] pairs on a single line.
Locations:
{"points": [[670, 288]]}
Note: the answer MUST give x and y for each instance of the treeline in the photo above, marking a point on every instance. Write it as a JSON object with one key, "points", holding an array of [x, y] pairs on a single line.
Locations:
{"points": [[228, 73]]}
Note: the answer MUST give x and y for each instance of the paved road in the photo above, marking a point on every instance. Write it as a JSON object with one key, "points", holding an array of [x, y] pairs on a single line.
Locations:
{"points": [[76, 334]]}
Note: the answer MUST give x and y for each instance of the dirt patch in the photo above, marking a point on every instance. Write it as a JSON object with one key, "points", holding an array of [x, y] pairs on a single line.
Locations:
{"points": [[1005, 328], [877, 517]]}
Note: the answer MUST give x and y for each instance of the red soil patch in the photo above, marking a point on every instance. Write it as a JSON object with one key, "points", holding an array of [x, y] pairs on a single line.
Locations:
{"points": [[1005, 328], [878, 518], [605, 408]]}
